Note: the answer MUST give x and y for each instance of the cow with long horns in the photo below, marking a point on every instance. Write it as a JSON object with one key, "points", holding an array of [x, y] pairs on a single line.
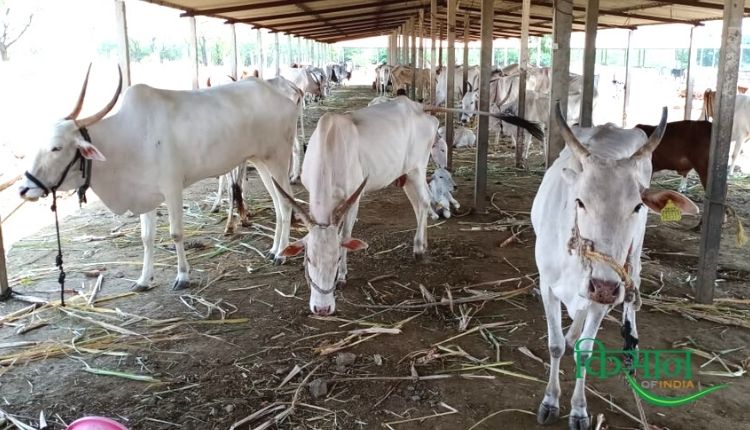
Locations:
{"points": [[589, 217], [162, 141]]}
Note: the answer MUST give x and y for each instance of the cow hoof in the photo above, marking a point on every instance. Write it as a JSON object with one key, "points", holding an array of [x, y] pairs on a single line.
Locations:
{"points": [[547, 414], [578, 423], [246, 222], [270, 255], [228, 231], [420, 257], [294, 181], [138, 288], [215, 209], [341, 283], [180, 284], [278, 261]]}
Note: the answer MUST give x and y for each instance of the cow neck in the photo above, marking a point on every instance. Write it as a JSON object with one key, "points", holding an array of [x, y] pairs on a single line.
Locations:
{"points": [[585, 250]]}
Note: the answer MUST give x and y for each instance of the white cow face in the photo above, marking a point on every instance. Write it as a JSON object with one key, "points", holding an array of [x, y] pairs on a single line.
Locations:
{"points": [[57, 163], [469, 102], [324, 250], [439, 150], [610, 199]]}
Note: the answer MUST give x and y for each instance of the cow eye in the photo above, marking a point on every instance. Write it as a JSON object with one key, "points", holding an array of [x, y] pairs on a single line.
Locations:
{"points": [[57, 148], [580, 204], [638, 207]]}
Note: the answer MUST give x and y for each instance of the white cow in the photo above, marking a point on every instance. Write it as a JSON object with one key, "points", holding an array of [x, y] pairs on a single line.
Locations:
{"points": [[348, 154], [162, 141], [441, 83], [463, 137], [740, 125], [312, 81], [441, 197], [382, 78], [593, 199], [236, 179]]}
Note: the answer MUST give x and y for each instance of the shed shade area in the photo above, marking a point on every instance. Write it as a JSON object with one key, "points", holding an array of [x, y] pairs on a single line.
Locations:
{"points": [[336, 20]]}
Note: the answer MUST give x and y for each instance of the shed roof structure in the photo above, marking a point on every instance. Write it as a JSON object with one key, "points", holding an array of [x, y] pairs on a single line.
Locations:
{"points": [[332, 21]]}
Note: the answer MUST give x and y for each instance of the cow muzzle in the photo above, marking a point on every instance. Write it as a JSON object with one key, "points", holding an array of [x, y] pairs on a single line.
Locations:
{"points": [[604, 292]]}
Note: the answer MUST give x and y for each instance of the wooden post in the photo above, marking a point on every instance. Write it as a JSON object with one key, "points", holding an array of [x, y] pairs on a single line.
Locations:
{"points": [[523, 63], [413, 57], [440, 46], [433, 66], [194, 46], [420, 56], [122, 41], [290, 43], [300, 51], [449, 102], [233, 41], [276, 54], [626, 85], [4, 287], [465, 70], [261, 57], [689, 77], [485, 64], [562, 25], [721, 136], [589, 63]]}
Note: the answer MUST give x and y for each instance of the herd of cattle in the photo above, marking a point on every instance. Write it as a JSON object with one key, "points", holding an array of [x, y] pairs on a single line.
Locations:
{"points": [[160, 142]]}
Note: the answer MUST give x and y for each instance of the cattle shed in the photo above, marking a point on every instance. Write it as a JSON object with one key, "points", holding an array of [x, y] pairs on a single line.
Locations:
{"points": [[455, 342]]}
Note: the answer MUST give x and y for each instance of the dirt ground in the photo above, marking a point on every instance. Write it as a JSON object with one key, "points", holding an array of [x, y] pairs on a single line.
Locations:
{"points": [[453, 339]]}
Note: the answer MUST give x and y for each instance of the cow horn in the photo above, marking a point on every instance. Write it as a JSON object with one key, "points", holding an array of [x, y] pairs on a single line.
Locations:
{"points": [[571, 140], [99, 115], [471, 87], [306, 219], [232, 78], [343, 207], [81, 96], [654, 139]]}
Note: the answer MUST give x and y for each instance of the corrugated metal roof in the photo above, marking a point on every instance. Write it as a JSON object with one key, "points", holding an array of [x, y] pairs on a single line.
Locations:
{"points": [[336, 20]]}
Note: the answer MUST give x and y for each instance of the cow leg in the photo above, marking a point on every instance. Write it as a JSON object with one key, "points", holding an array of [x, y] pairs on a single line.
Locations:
{"points": [[239, 194], [297, 152], [176, 231], [549, 409], [579, 416], [282, 209], [231, 181], [419, 196], [148, 231], [346, 232], [735, 154], [219, 193]]}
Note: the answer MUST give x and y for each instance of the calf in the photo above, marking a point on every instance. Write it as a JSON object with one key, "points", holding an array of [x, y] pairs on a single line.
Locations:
{"points": [[441, 197], [349, 154], [589, 217], [463, 137], [684, 147]]}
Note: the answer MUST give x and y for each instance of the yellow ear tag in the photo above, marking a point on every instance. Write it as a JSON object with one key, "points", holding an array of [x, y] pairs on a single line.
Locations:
{"points": [[670, 212]]}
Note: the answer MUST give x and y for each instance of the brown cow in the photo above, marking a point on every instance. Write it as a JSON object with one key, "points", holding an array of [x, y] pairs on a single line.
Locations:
{"points": [[684, 147]]}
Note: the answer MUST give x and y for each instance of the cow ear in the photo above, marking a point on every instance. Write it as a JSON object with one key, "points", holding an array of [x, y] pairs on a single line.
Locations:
{"points": [[293, 248], [657, 200], [569, 175], [354, 244], [90, 151]]}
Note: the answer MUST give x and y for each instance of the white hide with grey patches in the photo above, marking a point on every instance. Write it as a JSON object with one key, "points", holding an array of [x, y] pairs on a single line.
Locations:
{"points": [[606, 188], [441, 83], [441, 197], [381, 144], [162, 141]]}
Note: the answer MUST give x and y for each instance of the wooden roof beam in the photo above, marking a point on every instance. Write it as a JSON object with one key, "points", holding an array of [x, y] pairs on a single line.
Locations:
{"points": [[344, 27], [698, 4], [401, 11], [329, 10], [246, 7]]}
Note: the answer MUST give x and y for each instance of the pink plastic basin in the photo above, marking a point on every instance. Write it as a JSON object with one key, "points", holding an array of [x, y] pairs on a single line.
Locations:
{"points": [[96, 423]]}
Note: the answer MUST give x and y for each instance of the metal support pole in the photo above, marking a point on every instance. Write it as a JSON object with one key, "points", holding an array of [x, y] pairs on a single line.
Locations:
{"points": [[721, 136], [449, 102], [689, 78], [562, 25], [420, 57], [261, 57], [440, 46], [626, 85], [194, 46], [485, 64], [465, 70], [290, 44], [277, 54], [523, 64], [311, 45], [300, 51], [122, 41], [589, 63], [233, 41], [433, 66]]}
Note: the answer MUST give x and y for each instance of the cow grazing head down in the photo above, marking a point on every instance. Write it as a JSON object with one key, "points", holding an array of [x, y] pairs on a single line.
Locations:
{"points": [[56, 164], [324, 247], [469, 102], [611, 198]]}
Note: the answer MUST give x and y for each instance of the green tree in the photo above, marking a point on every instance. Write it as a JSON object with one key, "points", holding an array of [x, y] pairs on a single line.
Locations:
{"points": [[139, 50]]}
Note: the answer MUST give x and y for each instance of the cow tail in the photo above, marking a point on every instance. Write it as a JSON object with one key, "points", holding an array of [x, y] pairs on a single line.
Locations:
{"points": [[532, 127]]}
